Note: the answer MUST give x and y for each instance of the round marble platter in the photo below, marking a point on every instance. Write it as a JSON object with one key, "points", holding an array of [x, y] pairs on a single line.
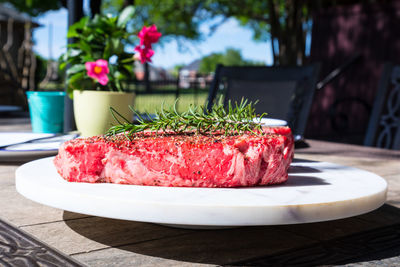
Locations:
{"points": [[315, 191]]}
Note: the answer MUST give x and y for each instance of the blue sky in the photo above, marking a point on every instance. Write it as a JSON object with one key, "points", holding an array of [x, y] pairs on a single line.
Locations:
{"points": [[230, 34]]}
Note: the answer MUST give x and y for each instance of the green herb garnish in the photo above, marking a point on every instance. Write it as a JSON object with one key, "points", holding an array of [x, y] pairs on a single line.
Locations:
{"points": [[234, 119]]}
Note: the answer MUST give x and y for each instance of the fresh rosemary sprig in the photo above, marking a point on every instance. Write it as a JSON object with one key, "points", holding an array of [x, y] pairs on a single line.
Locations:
{"points": [[234, 119]]}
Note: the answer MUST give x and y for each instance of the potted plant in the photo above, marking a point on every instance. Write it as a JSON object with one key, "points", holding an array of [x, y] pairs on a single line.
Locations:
{"points": [[100, 64]]}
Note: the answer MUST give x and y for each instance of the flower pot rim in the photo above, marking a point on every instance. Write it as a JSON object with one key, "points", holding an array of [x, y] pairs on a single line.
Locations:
{"points": [[101, 92], [45, 93]]}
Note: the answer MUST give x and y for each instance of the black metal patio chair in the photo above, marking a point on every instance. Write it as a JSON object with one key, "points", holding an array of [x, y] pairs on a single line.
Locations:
{"points": [[283, 92], [384, 124]]}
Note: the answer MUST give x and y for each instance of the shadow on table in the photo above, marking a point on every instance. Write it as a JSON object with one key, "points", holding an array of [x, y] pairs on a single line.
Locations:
{"points": [[372, 236]]}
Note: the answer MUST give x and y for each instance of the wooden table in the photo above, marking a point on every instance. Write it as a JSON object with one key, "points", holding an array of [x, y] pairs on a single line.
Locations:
{"points": [[369, 239]]}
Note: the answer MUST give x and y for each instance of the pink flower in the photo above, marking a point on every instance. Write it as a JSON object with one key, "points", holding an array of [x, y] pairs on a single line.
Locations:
{"points": [[145, 53], [149, 35], [98, 70]]}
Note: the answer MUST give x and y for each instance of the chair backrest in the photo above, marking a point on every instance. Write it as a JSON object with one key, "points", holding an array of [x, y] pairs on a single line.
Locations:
{"points": [[282, 92], [384, 125]]}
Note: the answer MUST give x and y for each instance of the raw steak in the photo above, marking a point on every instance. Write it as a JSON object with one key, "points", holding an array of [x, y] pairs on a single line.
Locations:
{"points": [[179, 159]]}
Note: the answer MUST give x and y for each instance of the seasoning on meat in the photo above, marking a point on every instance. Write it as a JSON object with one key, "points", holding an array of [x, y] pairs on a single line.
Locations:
{"points": [[184, 160]]}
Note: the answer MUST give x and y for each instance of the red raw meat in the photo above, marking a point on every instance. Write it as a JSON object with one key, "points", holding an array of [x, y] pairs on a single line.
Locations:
{"points": [[179, 159]]}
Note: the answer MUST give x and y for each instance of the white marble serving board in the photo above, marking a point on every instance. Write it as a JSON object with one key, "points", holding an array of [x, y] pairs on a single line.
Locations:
{"points": [[315, 191]]}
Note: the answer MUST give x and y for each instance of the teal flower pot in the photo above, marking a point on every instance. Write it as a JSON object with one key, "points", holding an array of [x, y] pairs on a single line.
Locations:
{"points": [[46, 110]]}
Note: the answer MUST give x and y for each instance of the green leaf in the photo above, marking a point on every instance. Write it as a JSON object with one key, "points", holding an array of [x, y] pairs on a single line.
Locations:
{"points": [[85, 47], [72, 53], [88, 58], [107, 50], [64, 57], [125, 16], [127, 60], [99, 31], [75, 77], [116, 43], [118, 75], [70, 92], [84, 83], [72, 30], [112, 22], [76, 68], [118, 85], [96, 19], [127, 70], [90, 37], [62, 65], [73, 45]]}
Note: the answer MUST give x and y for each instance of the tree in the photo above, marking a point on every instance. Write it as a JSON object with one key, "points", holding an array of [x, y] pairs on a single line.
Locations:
{"points": [[209, 63], [176, 19], [285, 23], [175, 70], [35, 7], [231, 57]]}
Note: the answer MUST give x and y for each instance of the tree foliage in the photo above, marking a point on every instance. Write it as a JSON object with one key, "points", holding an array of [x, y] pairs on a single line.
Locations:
{"points": [[176, 19], [284, 23], [175, 70], [231, 57], [35, 7]]}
